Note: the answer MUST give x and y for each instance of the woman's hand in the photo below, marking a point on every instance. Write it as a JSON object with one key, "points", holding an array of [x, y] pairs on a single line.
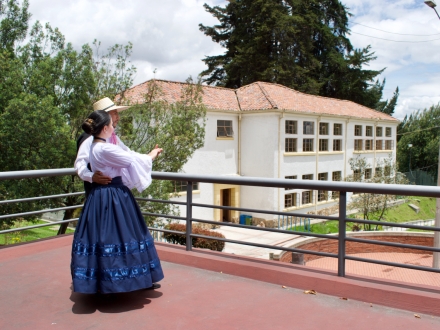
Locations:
{"points": [[155, 152]]}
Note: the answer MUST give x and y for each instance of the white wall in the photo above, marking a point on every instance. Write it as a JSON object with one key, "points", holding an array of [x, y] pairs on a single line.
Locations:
{"points": [[262, 142]]}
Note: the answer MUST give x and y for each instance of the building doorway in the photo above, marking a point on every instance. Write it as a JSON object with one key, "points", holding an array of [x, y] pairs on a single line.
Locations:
{"points": [[225, 200], [226, 195]]}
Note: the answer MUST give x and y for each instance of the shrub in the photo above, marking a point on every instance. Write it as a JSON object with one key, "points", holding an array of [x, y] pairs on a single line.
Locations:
{"points": [[196, 241]]}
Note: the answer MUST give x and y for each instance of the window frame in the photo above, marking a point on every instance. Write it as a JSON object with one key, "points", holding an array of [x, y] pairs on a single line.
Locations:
{"points": [[323, 128], [310, 197], [388, 132], [336, 141], [288, 144], [321, 143], [308, 144], [306, 127], [224, 128], [368, 130], [291, 127], [357, 130], [335, 130], [379, 131], [356, 145]]}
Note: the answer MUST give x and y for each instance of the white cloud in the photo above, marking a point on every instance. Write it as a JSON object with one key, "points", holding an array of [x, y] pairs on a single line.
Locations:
{"points": [[166, 37]]}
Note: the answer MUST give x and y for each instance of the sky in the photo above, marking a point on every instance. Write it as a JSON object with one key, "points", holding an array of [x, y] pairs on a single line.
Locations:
{"points": [[404, 34]]}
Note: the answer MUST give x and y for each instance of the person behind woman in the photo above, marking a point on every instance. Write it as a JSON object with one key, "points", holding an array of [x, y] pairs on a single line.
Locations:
{"points": [[113, 250]]}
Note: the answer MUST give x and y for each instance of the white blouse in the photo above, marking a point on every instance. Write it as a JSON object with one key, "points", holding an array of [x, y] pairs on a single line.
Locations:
{"points": [[82, 159], [134, 168]]}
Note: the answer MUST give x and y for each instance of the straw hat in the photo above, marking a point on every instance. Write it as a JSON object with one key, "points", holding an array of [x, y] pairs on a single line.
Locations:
{"points": [[107, 105]]}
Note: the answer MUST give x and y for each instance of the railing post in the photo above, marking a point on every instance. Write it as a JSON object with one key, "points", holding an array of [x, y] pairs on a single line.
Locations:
{"points": [[342, 232], [188, 216]]}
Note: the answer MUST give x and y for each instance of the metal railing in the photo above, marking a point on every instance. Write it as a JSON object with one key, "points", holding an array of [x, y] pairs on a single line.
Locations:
{"points": [[341, 187]]}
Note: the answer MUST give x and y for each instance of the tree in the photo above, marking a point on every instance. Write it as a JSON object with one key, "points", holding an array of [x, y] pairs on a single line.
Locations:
{"points": [[299, 44], [178, 128], [421, 130], [47, 90], [373, 206]]}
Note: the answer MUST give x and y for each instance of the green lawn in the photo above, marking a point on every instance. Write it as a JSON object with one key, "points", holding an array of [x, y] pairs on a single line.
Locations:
{"points": [[403, 213], [30, 234], [397, 214]]}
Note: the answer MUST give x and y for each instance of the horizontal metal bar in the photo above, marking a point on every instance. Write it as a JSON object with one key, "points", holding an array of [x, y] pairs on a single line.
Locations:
{"points": [[31, 199], [14, 175], [166, 231], [25, 214], [163, 215], [390, 189], [37, 226], [159, 201], [273, 230], [393, 224], [300, 215], [273, 247], [399, 245], [394, 264]]}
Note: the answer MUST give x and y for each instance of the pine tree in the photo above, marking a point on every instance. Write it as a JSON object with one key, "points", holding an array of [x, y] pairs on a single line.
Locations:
{"points": [[301, 44]]}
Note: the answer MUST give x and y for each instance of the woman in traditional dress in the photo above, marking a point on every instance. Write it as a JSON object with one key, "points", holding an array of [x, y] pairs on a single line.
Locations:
{"points": [[113, 250]]}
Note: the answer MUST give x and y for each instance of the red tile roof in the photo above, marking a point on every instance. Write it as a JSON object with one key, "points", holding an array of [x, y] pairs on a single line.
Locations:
{"points": [[258, 96]]}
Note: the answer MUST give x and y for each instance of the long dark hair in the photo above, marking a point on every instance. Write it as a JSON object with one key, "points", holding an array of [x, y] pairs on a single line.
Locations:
{"points": [[95, 122]]}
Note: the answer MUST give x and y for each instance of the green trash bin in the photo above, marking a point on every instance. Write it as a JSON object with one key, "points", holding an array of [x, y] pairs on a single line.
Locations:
{"points": [[248, 220]]}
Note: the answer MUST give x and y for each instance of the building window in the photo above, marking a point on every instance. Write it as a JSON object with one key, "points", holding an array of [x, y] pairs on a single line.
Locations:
{"points": [[337, 129], [290, 200], [389, 145], [378, 171], [357, 175], [291, 127], [358, 145], [291, 177], [368, 173], [369, 131], [378, 131], [180, 186], [337, 145], [306, 197], [336, 176], [308, 128], [323, 145], [307, 177], [323, 128], [358, 130], [307, 145], [388, 131], [290, 145], [368, 144], [379, 144], [387, 170], [322, 194], [224, 128]]}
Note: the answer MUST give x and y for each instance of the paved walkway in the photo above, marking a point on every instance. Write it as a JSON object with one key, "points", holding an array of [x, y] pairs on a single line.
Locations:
{"points": [[386, 272], [255, 236], [35, 287]]}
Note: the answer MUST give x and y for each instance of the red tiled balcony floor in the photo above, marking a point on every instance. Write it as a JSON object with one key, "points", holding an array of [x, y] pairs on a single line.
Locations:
{"points": [[35, 294], [386, 272]]}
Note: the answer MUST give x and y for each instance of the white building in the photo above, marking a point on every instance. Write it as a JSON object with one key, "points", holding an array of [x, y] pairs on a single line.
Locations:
{"points": [[268, 130]]}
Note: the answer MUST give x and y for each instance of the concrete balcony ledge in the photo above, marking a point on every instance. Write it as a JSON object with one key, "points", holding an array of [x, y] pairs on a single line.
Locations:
{"points": [[424, 299]]}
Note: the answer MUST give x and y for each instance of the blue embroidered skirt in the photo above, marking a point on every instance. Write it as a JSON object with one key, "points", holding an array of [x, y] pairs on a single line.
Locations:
{"points": [[113, 250]]}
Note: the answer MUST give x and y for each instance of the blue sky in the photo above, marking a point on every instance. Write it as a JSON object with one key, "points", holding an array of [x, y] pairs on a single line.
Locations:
{"points": [[166, 37]]}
